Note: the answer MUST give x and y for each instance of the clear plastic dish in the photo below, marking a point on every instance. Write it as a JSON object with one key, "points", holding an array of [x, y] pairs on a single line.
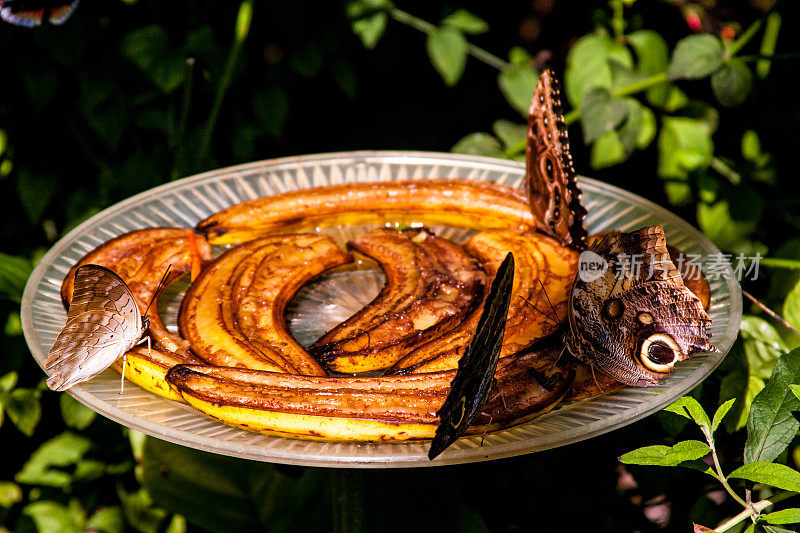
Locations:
{"points": [[331, 299]]}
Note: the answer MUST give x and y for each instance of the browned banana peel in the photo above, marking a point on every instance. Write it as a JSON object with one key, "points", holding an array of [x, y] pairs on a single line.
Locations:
{"points": [[452, 202], [431, 285], [543, 276], [387, 408], [233, 314], [141, 259]]}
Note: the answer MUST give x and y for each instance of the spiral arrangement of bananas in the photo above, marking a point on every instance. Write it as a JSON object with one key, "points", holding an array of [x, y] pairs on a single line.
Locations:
{"points": [[381, 375]]}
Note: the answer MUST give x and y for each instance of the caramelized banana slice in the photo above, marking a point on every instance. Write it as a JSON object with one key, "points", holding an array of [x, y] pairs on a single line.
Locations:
{"points": [[387, 408], [450, 202], [233, 314], [141, 258], [543, 276], [431, 284]]}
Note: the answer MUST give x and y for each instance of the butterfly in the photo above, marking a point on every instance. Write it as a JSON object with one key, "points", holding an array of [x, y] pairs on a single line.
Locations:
{"points": [[633, 324], [30, 13], [103, 323], [472, 383]]}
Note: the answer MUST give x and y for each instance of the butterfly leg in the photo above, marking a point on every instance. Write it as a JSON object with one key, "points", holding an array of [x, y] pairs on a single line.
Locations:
{"points": [[122, 379], [489, 423]]}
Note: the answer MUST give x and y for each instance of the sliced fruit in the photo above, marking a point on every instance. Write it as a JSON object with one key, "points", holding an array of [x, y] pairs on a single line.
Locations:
{"points": [[233, 314], [141, 258], [452, 202], [543, 277], [360, 408], [431, 284]]}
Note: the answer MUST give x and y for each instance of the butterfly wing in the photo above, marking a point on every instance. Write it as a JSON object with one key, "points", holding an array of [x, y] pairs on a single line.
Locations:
{"points": [[31, 13], [550, 180], [103, 323], [637, 318]]}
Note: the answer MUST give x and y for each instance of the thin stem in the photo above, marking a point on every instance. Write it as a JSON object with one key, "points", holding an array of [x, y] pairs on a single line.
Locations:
{"points": [[720, 166], [718, 468], [779, 262], [618, 20], [769, 311], [242, 29], [426, 27], [769, 57], [756, 508], [744, 38], [768, 43]]}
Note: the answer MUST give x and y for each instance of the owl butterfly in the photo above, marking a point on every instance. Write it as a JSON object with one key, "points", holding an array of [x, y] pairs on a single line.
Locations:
{"points": [[30, 13], [103, 323], [630, 316]]}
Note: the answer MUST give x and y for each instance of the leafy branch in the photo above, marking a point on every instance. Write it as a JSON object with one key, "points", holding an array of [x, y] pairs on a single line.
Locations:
{"points": [[770, 426]]}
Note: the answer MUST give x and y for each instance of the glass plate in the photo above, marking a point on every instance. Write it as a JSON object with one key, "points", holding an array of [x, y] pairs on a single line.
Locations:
{"points": [[330, 299]]}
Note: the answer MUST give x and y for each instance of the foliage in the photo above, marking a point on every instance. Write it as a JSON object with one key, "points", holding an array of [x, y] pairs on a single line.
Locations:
{"points": [[128, 95]]}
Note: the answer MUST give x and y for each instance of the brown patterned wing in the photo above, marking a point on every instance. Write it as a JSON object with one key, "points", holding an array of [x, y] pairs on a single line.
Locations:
{"points": [[103, 323], [631, 316], [550, 180]]}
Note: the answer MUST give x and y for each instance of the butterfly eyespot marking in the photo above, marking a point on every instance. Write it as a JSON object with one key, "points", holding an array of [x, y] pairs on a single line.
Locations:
{"points": [[552, 224], [556, 213], [613, 308], [659, 352], [549, 136], [544, 120], [556, 195], [548, 168], [645, 318], [541, 99]]}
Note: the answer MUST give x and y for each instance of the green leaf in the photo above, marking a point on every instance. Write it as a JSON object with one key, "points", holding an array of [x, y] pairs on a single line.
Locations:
{"points": [[660, 455], [601, 112], [106, 520], [14, 273], [648, 130], [771, 426], [139, 510], [447, 50], [60, 451], [466, 22], [684, 144], [652, 56], [785, 516], [762, 345], [510, 133], [751, 146], [696, 56], [368, 19], [607, 151], [690, 408], [52, 516], [773, 474], [10, 493], [732, 83], [517, 83], [719, 416], [479, 144], [744, 388], [75, 414], [24, 410], [587, 67], [791, 306], [150, 50], [795, 390], [639, 127], [36, 191]]}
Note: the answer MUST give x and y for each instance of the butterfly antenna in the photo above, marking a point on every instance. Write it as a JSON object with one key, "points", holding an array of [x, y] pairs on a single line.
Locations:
{"points": [[554, 321], [159, 288], [548, 297]]}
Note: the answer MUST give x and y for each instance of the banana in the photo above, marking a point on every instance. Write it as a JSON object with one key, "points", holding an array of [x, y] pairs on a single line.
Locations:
{"points": [[431, 284], [386, 408], [543, 276], [233, 314], [140, 258], [452, 202]]}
